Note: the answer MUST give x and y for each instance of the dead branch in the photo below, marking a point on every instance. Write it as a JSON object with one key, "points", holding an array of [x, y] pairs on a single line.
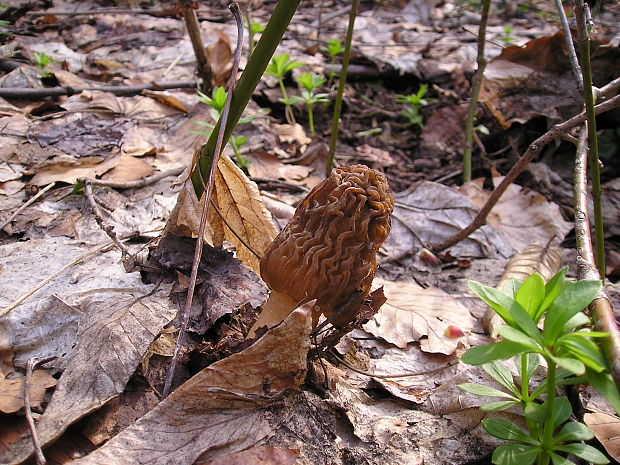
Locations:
{"points": [[193, 29], [534, 149], [138, 183], [32, 363], [27, 93]]}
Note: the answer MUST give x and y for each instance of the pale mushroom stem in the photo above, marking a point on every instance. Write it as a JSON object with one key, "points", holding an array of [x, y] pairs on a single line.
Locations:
{"points": [[277, 307]]}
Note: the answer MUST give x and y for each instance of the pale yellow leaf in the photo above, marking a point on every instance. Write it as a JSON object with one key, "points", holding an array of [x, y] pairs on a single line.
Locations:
{"points": [[12, 391]]}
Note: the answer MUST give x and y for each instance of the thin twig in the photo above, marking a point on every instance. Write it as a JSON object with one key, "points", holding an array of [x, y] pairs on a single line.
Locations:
{"points": [[572, 55], [102, 11], [534, 149], [193, 29], [400, 375], [54, 275], [27, 93], [234, 8], [30, 201], [32, 363], [142, 182], [106, 228]]}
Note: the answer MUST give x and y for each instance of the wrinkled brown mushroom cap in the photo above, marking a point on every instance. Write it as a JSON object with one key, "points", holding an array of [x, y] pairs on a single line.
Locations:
{"points": [[328, 250]]}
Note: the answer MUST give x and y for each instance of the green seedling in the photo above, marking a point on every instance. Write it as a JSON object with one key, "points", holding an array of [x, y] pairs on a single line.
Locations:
{"points": [[217, 102], [411, 112], [279, 67], [308, 82], [369, 132], [507, 38], [333, 49], [571, 353], [42, 60], [254, 28]]}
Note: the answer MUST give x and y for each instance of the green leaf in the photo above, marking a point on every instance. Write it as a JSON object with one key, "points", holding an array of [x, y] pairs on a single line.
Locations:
{"points": [[580, 319], [515, 454], [562, 411], [585, 452], [552, 290], [574, 298], [571, 364], [605, 386], [497, 351], [500, 373], [578, 346], [559, 460], [512, 334], [531, 294], [482, 390], [511, 286], [573, 431], [506, 429], [498, 406], [536, 412], [507, 308]]}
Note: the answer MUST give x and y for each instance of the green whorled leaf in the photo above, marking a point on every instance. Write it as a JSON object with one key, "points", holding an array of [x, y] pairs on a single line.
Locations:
{"points": [[585, 452], [482, 390], [562, 410], [500, 373], [605, 386], [573, 431], [498, 406], [586, 351], [595, 334], [500, 350], [573, 299], [553, 289], [533, 362], [515, 454], [580, 319], [536, 412], [506, 429], [559, 460], [531, 294], [507, 308], [513, 334], [571, 364], [511, 286]]}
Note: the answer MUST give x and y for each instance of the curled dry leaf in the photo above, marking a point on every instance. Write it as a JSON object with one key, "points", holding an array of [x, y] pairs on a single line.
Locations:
{"points": [[221, 409], [413, 314], [12, 391], [113, 337], [606, 428]]}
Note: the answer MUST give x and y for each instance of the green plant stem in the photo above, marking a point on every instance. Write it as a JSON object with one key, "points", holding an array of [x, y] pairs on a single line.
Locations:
{"points": [[288, 111], [311, 120], [247, 83], [524, 380], [549, 424], [343, 80], [583, 40], [473, 102]]}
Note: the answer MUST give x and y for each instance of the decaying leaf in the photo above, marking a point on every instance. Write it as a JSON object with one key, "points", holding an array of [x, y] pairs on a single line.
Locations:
{"points": [[163, 345], [114, 335], [12, 391], [259, 455], [522, 215], [268, 165], [69, 169], [413, 314], [219, 409], [219, 57], [292, 134], [534, 259], [606, 428]]}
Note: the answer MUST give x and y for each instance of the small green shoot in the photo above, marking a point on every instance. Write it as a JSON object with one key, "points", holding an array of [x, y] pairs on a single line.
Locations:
{"points": [[369, 132], [507, 38], [217, 102], [571, 353], [279, 67], [411, 112], [42, 60], [308, 82], [333, 49], [254, 28]]}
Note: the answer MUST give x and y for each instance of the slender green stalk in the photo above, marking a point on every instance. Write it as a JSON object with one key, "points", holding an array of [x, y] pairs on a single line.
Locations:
{"points": [[549, 424], [288, 110], [343, 80], [247, 83], [475, 91], [583, 40], [310, 120]]}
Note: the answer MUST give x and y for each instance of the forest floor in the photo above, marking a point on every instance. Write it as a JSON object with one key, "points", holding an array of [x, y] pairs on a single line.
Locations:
{"points": [[386, 393]]}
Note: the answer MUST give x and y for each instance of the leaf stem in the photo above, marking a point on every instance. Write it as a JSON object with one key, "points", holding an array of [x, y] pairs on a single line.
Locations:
{"points": [[549, 424]]}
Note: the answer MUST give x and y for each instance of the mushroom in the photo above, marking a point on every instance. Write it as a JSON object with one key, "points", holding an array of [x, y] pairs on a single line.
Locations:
{"points": [[328, 251]]}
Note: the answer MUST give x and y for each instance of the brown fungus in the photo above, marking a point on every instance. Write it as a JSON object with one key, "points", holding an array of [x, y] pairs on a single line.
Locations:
{"points": [[328, 251]]}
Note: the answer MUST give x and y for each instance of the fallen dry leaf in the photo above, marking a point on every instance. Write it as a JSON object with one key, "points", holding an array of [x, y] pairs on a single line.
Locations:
{"points": [[413, 314], [70, 169], [129, 168], [219, 410], [219, 57], [12, 391], [522, 215], [606, 428], [267, 165], [292, 134], [116, 330], [259, 455], [163, 345], [166, 98]]}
